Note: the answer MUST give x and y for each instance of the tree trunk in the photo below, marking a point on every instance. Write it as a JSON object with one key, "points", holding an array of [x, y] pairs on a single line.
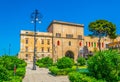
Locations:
{"points": [[99, 40]]}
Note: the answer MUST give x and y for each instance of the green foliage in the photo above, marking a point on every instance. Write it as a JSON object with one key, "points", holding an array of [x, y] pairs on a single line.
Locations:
{"points": [[105, 65], [81, 61], [16, 79], [45, 62], [65, 62], [54, 70], [77, 77], [103, 28], [20, 72], [83, 71], [7, 64], [4, 73]]}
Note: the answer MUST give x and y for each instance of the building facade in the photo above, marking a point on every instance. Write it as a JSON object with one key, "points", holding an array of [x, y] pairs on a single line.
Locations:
{"points": [[62, 39], [43, 45]]}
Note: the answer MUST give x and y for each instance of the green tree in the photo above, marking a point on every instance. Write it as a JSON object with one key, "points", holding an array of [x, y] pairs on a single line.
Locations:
{"points": [[102, 28], [105, 65]]}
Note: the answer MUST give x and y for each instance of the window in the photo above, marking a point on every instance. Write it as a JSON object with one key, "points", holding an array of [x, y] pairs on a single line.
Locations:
{"points": [[42, 41], [58, 42], [26, 48], [79, 36], [69, 36], [26, 32], [107, 46], [58, 35], [69, 43], [42, 49], [48, 49], [26, 40], [89, 44], [26, 55], [86, 43], [92, 44], [48, 42], [80, 44]]}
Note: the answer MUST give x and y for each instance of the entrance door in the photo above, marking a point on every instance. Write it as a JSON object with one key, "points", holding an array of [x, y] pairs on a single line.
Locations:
{"points": [[69, 54]]}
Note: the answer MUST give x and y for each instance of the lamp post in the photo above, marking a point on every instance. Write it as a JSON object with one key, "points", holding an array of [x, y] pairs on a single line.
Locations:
{"points": [[36, 17]]}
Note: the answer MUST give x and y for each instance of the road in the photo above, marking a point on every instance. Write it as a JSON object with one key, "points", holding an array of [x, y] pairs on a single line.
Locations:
{"points": [[42, 75]]}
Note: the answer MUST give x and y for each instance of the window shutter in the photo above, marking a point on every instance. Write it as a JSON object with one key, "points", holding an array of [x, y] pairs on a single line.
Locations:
{"points": [[58, 42]]}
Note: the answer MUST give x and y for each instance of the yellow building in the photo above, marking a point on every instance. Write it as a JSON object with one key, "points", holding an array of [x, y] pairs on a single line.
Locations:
{"points": [[62, 39], [115, 44], [43, 45]]}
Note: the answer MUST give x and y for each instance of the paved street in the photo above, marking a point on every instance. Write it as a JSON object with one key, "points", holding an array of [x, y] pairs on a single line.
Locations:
{"points": [[41, 75]]}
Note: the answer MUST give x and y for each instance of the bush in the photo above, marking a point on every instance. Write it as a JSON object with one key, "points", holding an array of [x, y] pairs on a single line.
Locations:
{"points": [[65, 62], [16, 79], [7, 64], [81, 61], [105, 64], [45, 62], [20, 72], [77, 77], [4, 74], [55, 71], [41, 64]]}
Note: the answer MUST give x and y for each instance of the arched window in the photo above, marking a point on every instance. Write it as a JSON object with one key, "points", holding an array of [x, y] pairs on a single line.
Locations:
{"points": [[89, 44], [58, 42], [92, 44], [80, 44]]}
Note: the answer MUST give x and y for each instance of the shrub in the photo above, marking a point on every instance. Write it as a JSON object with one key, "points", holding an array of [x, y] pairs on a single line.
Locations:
{"points": [[81, 61], [16, 79], [41, 64], [54, 70], [65, 62], [7, 69], [105, 64], [4, 74], [20, 72], [77, 77], [45, 62]]}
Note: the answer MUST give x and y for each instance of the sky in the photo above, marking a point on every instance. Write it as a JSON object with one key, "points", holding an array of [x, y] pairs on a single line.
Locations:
{"points": [[15, 16]]}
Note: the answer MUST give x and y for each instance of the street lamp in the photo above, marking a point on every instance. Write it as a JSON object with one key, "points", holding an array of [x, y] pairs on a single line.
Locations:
{"points": [[36, 17]]}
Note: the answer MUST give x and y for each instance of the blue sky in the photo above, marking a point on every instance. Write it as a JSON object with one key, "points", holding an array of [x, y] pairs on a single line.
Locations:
{"points": [[15, 16]]}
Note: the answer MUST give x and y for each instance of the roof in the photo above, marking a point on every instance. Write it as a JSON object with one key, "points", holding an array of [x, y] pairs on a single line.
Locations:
{"points": [[65, 23]]}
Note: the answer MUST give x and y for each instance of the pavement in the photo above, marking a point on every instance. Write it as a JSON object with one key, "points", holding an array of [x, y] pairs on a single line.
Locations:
{"points": [[41, 75]]}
